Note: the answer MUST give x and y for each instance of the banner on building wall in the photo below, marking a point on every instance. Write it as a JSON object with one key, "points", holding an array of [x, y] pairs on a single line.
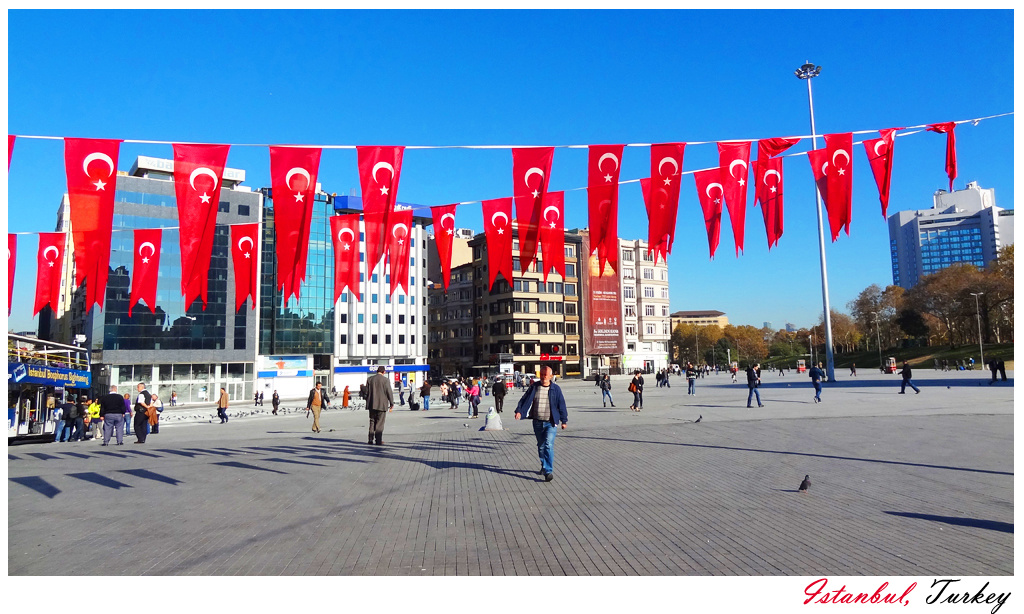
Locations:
{"points": [[602, 333]]}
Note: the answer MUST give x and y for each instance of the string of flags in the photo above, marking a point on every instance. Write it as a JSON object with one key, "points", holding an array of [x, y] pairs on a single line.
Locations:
{"points": [[90, 165]]}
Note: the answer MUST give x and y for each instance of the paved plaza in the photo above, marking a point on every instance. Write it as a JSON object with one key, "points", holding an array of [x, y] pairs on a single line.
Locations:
{"points": [[915, 484]]}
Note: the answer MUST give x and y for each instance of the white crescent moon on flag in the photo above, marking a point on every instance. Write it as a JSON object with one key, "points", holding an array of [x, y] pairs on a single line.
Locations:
{"points": [[608, 156], [151, 247], [733, 165], [707, 190], [670, 160], [380, 165], [341, 234], [396, 227], [243, 240], [501, 214], [56, 252], [841, 151], [551, 208], [98, 156], [600, 205], [879, 143], [824, 168], [202, 170], [533, 171], [444, 217], [296, 171], [771, 171]]}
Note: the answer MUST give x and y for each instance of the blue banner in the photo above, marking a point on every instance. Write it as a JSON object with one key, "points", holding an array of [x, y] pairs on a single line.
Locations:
{"points": [[21, 373]]}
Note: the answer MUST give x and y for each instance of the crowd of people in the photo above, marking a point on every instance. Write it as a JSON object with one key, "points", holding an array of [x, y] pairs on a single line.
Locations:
{"points": [[111, 415]]}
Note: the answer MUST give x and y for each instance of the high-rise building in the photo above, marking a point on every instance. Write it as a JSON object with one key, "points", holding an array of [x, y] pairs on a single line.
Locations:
{"points": [[646, 321], [450, 328], [962, 226]]}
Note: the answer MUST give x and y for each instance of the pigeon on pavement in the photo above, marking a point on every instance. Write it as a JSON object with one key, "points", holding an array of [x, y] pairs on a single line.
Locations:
{"points": [[699, 418], [805, 484]]}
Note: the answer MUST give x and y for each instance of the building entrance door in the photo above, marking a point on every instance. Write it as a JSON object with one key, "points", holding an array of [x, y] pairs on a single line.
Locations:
{"points": [[236, 391]]}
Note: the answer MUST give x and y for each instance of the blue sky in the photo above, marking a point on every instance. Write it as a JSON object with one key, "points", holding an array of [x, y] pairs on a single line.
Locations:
{"points": [[531, 78]]}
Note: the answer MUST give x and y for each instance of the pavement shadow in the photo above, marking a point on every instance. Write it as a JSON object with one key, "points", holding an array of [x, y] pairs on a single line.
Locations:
{"points": [[991, 525], [146, 474], [38, 484], [100, 480], [238, 465]]}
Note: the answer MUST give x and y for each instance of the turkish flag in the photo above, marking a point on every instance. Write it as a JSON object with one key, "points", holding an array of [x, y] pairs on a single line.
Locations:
{"points": [[379, 171], [666, 171], [91, 167], [245, 255], [768, 174], [820, 167], [10, 149], [49, 266], [840, 176], [733, 160], [603, 203], [769, 148], [711, 193], [498, 232], [531, 171], [948, 128], [146, 268], [197, 181], [656, 197], [345, 238], [399, 249], [12, 260], [443, 236], [552, 234], [293, 174], [880, 157]]}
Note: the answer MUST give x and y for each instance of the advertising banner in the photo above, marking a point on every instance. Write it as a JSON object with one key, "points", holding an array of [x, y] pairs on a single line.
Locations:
{"points": [[602, 333], [21, 373]]}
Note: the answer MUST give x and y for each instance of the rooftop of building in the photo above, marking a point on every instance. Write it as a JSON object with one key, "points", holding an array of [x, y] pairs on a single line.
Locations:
{"points": [[711, 313]]}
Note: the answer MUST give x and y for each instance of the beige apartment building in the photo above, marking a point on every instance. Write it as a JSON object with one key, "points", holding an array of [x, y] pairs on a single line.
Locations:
{"points": [[646, 323]]}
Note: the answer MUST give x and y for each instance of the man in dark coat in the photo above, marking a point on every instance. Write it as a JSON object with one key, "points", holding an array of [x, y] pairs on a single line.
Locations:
{"points": [[379, 401], [545, 404], [906, 373], [498, 392], [143, 403], [753, 381], [112, 412]]}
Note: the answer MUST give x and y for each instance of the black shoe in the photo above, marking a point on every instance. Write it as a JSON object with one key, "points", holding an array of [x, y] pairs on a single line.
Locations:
{"points": [[760, 405], [103, 444], [548, 477], [917, 392], [901, 392], [613, 404], [379, 443]]}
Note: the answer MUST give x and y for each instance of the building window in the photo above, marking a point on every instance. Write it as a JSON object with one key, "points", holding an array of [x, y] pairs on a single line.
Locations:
{"points": [[570, 289], [224, 207], [570, 252], [401, 339], [373, 339], [401, 299], [648, 273], [359, 339], [648, 291], [648, 310], [664, 311], [570, 329], [401, 318], [387, 318], [631, 311], [664, 293], [629, 292], [359, 318], [570, 269], [344, 339], [387, 339], [649, 329], [627, 255], [570, 309], [243, 210], [373, 318], [631, 330], [373, 298]]}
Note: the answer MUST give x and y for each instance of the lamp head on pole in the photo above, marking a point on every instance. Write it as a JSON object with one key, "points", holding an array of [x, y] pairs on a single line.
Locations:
{"points": [[807, 71]]}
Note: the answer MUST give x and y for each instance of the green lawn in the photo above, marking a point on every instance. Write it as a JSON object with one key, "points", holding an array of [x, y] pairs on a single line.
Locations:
{"points": [[918, 357]]}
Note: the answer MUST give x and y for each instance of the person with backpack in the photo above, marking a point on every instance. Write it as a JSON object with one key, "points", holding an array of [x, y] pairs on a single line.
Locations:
{"points": [[636, 386], [143, 405]]}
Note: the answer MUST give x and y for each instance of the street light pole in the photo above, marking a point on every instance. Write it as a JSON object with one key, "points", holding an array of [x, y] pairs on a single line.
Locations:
{"points": [[981, 346], [807, 72], [878, 333]]}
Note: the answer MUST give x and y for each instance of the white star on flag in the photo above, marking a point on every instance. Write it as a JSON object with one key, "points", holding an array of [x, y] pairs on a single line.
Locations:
{"points": [[205, 197], [300, 197], [536, 193], [145, 260], [608, 178], [401, 241], [718, 200], [246, 254], [449, 231], [501, 231], [773, 189], [384, 190], [345, 246], [552, 224], [842, 171], [668, 181], [100, 185], [50, 262], [742, 182]]}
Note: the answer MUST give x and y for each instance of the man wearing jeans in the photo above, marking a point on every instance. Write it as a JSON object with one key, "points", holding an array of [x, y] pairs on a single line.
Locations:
{"points": [[112, 412], [545, 404], [907, 374]]}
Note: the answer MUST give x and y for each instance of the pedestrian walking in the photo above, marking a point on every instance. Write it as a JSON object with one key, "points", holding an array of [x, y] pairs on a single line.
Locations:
{"points": [[636, 386], [112, 411], [606, 391], [691, 379], [261, 398], [816, 374], [993, 366], [379, 401], [425, 393], [665, 379], [659, 379], [544, 403], [1002, 369], [753, 381], [255, 399], [58, 415], [853, 369], [70, 419], [222, 406], [316, 402], [499, 394], [345, 398], [127, 414], [472, 410], [906, 373], [275, 402], [401, 393], [143, 405]]}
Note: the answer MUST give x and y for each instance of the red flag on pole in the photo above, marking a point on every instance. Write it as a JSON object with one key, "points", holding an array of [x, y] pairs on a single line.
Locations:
{"points": [[656, 197], [880, 152], [552, 234], [711, 193], [603, 203], [840, 176], [733, 161], [197, 181], [49, 266], [666, 172], [498, 233], [91, 167], [379, 171], [398, 249], [769, 192], [948, 128], [293, 174], [531, 171], [10, 149], [12, 260], [145, 268], [245, 256], [443, 236], [345, 238]]}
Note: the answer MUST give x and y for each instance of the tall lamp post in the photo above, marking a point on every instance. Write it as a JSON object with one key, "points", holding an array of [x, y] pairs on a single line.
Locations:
{"points": [[807, 72], [878, 334], [981, 346]]}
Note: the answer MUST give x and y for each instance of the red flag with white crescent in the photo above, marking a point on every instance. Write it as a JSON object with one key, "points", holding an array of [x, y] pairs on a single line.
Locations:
{"points": [[498, 233], [531, 172], [379, 171], [656, 201], [552, 234], [443, 235], [145, 268], [293, 175], [821, 168], [880, 152], [666, 173], [948, 129], [768, 174], [12, 260], [198, 170], [733, 162], [345, 238], [91, 167], [49, 266], [245, 255], [605, 162], [399, 248], [10, 149], [840, 176], [711, 193]]}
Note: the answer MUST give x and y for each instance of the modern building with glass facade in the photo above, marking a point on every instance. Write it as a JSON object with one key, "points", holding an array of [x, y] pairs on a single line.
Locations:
{"points": [[964, 226], [190, 351]]}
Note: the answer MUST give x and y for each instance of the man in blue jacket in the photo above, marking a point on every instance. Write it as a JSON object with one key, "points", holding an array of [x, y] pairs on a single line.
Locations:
{"points": [[545, 404]]}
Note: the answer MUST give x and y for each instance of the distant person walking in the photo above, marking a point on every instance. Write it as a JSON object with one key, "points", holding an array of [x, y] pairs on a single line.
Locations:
{"points": [[275, 402], [143, 405], [316, 402], [379, 401], [753, 381], [691, 379], [222, 406], [498, 392], [906, 373], [544, 403], [636, 386], [112, 410], [606, 390], [816, 374], [472, 410], [853, 369], [1002, 369]]}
